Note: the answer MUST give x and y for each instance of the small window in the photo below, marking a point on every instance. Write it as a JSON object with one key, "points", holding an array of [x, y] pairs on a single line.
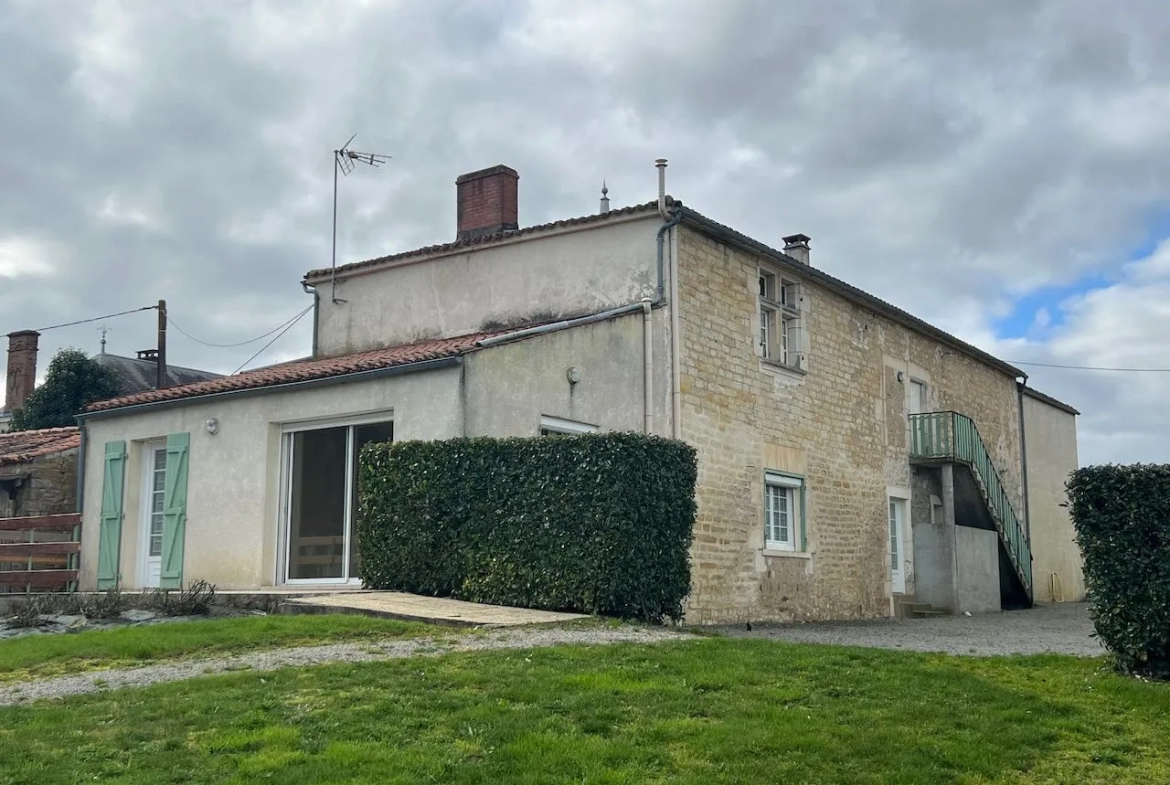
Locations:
{"points": [[780, 320], [783, 512], [555, 426]]}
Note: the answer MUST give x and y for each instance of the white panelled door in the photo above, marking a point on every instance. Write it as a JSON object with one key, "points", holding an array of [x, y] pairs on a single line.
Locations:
{"points": [[150, 526], [897, 546]]}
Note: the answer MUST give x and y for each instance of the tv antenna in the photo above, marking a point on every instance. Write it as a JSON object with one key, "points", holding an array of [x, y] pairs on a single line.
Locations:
{"points": [[345, 161]]}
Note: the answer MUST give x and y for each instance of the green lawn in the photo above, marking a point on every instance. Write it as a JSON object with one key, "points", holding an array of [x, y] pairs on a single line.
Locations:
{"points": [[50, 655], [701, 711]]}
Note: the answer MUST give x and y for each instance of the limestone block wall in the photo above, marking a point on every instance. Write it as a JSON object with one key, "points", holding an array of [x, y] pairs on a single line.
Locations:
{"points": [[841, 424]]}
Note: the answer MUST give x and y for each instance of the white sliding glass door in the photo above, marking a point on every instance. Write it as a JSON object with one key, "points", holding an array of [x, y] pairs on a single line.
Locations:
{"points": [[321, 499]]}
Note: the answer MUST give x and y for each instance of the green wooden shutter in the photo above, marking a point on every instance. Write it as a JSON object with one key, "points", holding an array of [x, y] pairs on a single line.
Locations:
{"points": [[174, 511], [110, 527]]}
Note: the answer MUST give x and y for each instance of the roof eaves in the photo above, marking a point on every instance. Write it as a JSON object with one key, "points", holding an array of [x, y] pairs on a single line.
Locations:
{"points": [[1032, 392], [729, 235], [321, 381]]}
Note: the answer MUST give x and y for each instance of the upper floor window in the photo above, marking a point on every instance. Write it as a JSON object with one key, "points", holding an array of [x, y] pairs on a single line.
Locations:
{"points": [[780, 320]]}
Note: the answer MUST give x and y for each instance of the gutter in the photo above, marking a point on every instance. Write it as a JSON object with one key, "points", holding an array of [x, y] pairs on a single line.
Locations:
{"points": [[324, 381], [316, 310], [1024, 459], [80, 490]]}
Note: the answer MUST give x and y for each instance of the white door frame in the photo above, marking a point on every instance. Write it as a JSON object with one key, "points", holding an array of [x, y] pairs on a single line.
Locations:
{"points": [[287, 461], [146, 497], [897, 522]]}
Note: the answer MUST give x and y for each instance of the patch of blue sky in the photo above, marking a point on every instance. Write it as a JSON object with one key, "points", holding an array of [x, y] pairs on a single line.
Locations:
{"points": [[1039, 311]]}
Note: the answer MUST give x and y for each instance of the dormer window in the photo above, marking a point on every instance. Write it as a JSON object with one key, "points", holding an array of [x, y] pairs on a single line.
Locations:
{"points": [[780, 320]]}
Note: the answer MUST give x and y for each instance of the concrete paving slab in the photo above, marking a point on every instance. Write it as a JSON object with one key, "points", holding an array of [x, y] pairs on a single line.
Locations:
{"points": [[433, 610]]}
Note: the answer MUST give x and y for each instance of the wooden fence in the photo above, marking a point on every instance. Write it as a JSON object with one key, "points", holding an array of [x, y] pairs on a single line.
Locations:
{"points": [[40, 553]]}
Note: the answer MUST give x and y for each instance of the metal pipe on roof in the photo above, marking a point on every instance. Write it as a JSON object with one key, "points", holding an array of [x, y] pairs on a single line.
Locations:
{"points": [[496, 340], [661, 164]]}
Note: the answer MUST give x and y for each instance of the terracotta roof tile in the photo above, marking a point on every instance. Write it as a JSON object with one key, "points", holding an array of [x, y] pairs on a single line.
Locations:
{"points": [[24, 446], [488, 239], [306, 370]]}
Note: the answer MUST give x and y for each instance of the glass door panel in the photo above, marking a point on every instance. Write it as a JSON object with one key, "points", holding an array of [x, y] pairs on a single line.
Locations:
{"points": [[317, 505]]}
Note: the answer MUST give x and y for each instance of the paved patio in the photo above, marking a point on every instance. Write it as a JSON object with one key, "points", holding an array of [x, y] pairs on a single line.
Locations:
{"points": [[434, 610], [1056, 628]]}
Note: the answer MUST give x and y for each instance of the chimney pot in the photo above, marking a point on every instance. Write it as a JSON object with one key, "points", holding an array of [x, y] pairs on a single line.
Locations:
{"points": [[796, 246], [487, 202], [22, 368]]}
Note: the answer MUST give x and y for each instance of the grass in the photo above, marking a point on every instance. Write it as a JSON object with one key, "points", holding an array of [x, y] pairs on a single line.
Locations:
{"points": [[39, 656], [699, 711]]}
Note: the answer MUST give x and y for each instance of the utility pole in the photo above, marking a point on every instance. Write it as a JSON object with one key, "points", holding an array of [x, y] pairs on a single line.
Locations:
{"points": [[161, 380]]}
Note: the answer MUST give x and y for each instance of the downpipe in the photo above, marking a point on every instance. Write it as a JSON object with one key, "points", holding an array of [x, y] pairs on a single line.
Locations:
{"points": [[648, 356]]}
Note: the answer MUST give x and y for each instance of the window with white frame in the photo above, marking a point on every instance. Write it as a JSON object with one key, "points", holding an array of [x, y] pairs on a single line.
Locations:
{"points": [[555, 426], [780, 320], [783, 512]]}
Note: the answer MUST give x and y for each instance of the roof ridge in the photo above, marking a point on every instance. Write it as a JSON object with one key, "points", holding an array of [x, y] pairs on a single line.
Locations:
{"points": [[489, 239]]}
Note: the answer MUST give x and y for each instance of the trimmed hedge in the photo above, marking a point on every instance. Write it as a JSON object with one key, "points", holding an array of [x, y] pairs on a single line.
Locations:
{"points": [[594, 523], [1122, 520]]}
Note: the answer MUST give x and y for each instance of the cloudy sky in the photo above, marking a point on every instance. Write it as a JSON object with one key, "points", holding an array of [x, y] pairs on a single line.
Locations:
{"points": [[1000, 168]]}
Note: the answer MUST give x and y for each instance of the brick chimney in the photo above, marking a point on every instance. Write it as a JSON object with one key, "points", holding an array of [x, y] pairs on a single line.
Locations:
{"points": [[796, 246], [22, 368], [486, 202]]}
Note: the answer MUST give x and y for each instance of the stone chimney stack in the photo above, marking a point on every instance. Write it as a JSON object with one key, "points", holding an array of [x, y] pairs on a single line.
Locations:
{"points": [[796, 246], [487, 202], [22, 368]]}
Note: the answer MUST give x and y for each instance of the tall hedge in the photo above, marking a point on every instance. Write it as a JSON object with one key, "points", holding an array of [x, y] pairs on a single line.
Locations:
{"points": [[1122, 520], [596, 523]]}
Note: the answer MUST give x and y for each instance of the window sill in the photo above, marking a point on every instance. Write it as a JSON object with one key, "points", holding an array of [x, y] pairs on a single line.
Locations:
{"points": [[786, 554], [791, 370]]}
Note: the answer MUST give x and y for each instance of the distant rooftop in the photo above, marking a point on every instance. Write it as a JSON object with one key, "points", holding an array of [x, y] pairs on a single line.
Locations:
{"points": [[139, 374], [24, 446]]}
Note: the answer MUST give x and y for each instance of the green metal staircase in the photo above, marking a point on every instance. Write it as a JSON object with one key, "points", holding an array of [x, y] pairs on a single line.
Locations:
{"points": [[950, 437]]}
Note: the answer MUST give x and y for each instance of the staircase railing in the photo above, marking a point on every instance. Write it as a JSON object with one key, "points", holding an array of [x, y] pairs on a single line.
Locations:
{"points": [[951, 436]]}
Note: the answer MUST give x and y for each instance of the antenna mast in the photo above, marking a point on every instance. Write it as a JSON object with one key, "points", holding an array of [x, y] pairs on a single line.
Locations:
{"points": [[344, 161]]}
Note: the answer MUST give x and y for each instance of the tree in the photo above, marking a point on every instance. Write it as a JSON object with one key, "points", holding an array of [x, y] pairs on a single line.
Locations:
{"points": [[73, 382]]}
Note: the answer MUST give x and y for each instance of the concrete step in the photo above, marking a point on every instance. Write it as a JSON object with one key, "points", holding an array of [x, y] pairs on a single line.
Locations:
{"points": [[926, 613]]}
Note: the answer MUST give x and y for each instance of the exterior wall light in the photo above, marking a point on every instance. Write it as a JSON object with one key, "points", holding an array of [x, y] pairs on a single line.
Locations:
{"points": [[212, 425], [574, 375]]}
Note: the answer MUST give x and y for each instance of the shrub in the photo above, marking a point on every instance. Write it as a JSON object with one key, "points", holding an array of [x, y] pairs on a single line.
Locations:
{"points": [[26, 612], [193, 600], [595, 523], [1122, 520]]}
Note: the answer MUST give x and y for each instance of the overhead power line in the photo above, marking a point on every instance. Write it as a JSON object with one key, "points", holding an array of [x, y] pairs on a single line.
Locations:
{"points": [[233, 345], [1091, 367], [287, 327], [98, 318]]}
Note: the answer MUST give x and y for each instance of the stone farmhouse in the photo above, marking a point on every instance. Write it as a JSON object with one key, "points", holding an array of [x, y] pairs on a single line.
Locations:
{"points": [[855, 461]]}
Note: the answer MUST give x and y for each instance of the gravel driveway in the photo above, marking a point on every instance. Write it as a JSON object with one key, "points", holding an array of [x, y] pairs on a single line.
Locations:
{"points": [[96, 681], [1062, 628]]}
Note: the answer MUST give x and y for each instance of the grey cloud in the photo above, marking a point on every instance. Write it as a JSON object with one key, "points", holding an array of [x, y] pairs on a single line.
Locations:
{"points": [[946, 155]]}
